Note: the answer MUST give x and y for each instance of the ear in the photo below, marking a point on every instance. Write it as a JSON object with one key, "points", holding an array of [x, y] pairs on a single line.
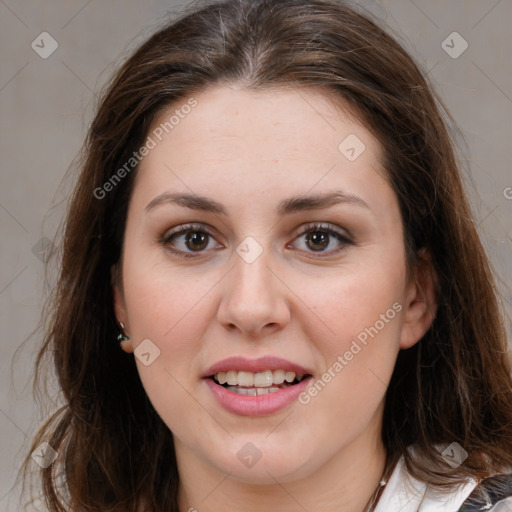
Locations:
{"points": [[421, 306], [120, 307]]}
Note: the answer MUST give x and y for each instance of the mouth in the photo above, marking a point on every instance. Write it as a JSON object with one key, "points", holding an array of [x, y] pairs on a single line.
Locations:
{"points": [[257, 384]]}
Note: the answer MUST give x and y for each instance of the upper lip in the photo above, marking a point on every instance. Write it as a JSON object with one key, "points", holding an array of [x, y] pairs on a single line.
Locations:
{"points": [[239, 363]]}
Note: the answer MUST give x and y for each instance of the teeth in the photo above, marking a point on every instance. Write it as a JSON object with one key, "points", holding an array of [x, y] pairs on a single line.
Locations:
{"points": [[231, 378], [259, 380], [246, 379], [278, 376], [252, 391], [289, 376]]}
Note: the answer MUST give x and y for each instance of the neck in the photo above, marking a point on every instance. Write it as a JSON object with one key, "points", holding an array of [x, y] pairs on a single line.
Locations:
{"points": [[346, 482]]}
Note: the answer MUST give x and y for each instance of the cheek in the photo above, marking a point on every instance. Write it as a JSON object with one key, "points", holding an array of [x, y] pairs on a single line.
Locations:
{"points": [[356, 333], [173, 314], [361, 321], [161, 299], [347, 302], [172, 308]]}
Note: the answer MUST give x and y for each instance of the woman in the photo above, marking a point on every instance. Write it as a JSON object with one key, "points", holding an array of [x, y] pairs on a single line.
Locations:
{"points": [[270, 214]]}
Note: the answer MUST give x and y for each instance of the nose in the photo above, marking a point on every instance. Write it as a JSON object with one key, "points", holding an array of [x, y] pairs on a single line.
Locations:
{"points": [[255, 300]]}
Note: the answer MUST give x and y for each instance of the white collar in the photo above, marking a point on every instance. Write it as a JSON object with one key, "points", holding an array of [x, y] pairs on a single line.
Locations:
{"points": [[406, 494]]}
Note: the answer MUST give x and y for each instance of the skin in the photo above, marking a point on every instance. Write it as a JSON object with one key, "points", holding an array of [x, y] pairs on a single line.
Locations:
{"points": [[249, 151]]}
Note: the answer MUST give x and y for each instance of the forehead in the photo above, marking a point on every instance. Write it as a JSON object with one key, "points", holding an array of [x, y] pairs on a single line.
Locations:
{"points": [[238, 139], [288, 116]]}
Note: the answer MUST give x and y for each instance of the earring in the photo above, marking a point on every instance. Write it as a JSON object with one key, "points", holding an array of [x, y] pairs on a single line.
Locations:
{"points": [[122, 336]]}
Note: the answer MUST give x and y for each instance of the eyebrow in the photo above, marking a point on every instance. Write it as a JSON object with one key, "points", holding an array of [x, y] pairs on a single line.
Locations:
{"points": [[285, 207]]}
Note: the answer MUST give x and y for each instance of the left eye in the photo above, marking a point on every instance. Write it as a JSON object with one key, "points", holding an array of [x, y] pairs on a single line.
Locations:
{"points": [[319, 237], [196, 238]]}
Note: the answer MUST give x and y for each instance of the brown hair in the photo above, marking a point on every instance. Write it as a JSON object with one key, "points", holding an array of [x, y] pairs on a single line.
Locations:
{"points": [[454, 385]]}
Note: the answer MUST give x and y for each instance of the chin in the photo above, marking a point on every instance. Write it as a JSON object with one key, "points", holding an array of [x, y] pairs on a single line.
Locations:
{"points": [[261, 462]]}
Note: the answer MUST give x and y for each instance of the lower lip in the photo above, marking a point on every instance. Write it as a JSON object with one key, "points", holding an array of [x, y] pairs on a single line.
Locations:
{"points": [[258, 405]]}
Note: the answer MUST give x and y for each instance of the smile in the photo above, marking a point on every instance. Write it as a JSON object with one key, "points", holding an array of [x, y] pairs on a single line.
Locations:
{"points": [[256, 394], [260, 383]]}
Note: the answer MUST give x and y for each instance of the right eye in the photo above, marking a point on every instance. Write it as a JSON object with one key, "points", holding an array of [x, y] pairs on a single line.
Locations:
{"points": [[195, 239]]}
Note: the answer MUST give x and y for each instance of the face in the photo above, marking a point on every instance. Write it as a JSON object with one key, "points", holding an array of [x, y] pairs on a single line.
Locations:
{"points": [[320, 284]]}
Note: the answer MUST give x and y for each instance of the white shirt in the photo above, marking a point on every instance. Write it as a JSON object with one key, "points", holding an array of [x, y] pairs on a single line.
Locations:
{"points": [[403, 493]]}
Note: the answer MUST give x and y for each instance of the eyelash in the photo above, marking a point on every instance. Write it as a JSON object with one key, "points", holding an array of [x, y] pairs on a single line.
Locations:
{"points": [[198, 228]]}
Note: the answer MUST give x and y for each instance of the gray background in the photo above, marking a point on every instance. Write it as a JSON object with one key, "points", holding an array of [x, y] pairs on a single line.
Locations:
{"points": [[47, 104]]}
